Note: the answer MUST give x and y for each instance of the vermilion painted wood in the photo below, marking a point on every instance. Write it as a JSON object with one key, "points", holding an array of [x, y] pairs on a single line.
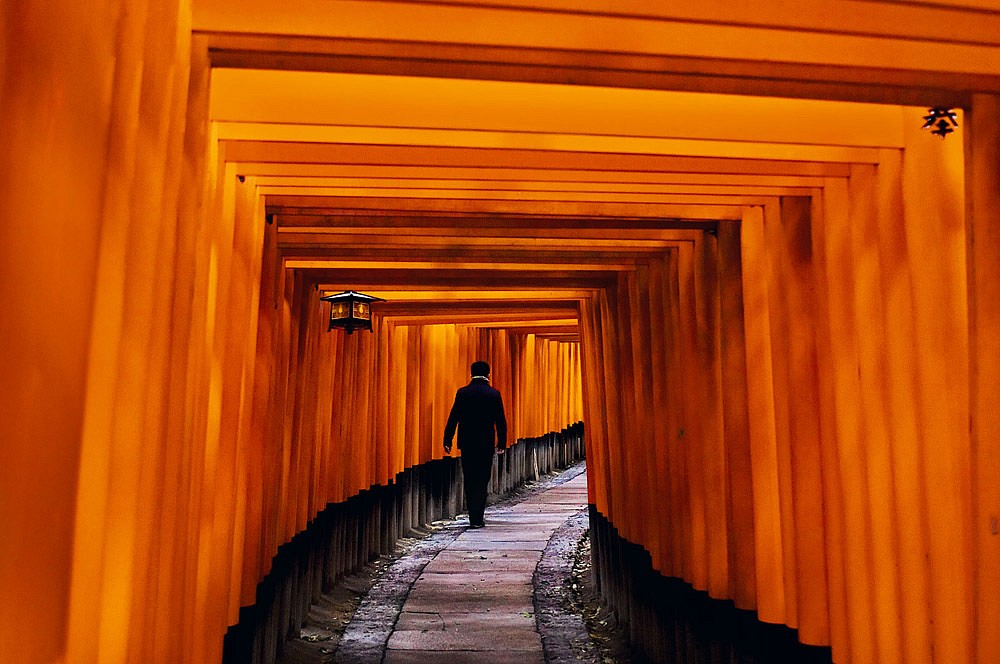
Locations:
{"points": [[175, 410]]}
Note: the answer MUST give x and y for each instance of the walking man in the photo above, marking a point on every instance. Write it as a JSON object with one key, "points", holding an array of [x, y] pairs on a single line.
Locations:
{"points": [[478, 413]]}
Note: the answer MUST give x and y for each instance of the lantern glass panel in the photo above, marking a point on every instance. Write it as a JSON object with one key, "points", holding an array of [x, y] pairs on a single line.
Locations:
{"points": [[362, 311], [339, 310]]}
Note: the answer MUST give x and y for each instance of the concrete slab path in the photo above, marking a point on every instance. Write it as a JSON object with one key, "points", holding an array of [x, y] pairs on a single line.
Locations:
{"points": [[473, 602]]}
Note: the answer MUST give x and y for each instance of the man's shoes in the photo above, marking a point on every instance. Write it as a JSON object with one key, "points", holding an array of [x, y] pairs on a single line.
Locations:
{"points": [[477, 525]]}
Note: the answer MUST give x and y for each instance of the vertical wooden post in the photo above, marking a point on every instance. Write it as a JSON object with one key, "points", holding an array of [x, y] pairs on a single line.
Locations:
{"points": [[739, 507], [983, 201]]}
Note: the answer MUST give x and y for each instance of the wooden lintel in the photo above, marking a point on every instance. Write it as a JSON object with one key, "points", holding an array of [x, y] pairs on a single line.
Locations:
{"points": [[281, 152], [625, 70]]}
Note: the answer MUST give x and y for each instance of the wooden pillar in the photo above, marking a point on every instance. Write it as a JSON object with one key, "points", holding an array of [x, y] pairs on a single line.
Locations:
{"points": [[713, 427], [593, 403], [833, 511], [769, 554], [811, 615], [739, 497], [54, 131], [665, 419], [983, 234], [680, 497], [690, 442]]}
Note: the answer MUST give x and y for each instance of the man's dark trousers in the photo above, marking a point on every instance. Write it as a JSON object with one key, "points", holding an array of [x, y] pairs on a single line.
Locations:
{"points": [[477, 463]]}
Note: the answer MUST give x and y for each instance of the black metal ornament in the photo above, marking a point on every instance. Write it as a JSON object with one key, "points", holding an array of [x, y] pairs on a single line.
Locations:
{"points": [[940, 120]]}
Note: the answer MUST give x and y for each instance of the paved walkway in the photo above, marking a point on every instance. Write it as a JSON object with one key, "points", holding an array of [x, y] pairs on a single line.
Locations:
{"points": [[473, 600]]}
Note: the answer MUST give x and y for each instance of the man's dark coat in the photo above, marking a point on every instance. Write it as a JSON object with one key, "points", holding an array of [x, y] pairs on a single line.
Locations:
{"points": [[477, 412]]}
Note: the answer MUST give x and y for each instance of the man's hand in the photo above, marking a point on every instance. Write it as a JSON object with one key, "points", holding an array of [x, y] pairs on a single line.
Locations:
{"points": [[447, 448], [501, 450]]}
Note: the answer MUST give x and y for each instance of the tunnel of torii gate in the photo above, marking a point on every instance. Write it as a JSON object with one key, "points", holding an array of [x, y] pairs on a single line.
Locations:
{"points": [[714, 232]]}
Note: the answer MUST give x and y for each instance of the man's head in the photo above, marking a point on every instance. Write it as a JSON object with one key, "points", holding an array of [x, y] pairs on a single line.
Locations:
{"points": [[480, 368]]}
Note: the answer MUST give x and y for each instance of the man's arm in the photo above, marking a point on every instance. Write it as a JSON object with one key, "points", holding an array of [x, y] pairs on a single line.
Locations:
{"points": [[449, 429], [500, 420]]}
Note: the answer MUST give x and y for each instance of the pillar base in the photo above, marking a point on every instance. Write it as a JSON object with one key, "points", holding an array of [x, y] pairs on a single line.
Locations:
{"points": [[668, 620]]}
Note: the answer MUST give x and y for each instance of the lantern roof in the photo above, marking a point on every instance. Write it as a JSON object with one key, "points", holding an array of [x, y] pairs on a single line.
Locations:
{"points": [[351, 295]]}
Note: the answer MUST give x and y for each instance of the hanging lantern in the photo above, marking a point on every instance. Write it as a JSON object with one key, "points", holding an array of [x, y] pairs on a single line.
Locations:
{"points": [[940, 120], [351, 310]]}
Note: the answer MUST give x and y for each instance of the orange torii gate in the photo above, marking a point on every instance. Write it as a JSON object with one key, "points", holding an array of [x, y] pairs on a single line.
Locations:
{"points": [[776, 311]]}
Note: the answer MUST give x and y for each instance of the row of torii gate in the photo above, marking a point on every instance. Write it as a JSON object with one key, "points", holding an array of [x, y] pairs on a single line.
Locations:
{"points": [[718, 235]]}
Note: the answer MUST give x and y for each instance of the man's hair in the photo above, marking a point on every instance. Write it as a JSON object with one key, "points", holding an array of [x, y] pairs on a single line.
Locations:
{"points": [[480, 368]]}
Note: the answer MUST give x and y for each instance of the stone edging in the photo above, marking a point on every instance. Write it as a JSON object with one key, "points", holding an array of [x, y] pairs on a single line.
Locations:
{"points": [[365, 637], [564, 635]]}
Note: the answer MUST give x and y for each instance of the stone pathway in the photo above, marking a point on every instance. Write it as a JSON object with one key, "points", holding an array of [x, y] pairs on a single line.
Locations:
{"points": [[473, 601]]}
